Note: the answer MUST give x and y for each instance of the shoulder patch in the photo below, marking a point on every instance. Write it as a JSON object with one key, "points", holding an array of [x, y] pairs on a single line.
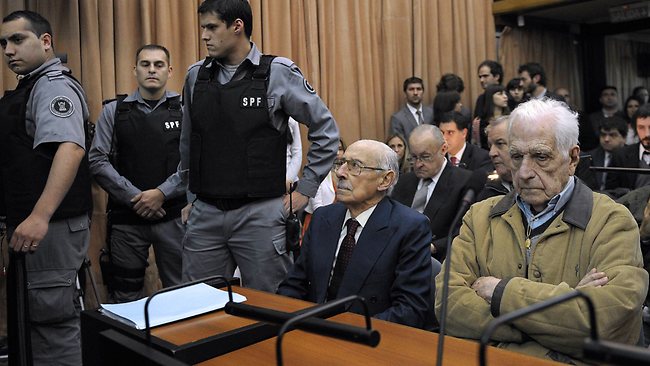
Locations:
{"points": [[61, 106], [308, 87]]}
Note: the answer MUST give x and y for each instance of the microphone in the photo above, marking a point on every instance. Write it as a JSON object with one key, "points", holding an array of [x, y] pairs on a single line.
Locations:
{"points": [[475, 184], [314, 325]]}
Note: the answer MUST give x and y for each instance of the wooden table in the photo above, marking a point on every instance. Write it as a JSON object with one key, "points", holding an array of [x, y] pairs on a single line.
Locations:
{"points": [[400, 345]]}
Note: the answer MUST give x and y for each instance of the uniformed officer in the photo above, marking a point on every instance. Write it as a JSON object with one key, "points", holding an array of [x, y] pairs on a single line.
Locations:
{"points": [[135, 157], [46, 186], [233, 145]]}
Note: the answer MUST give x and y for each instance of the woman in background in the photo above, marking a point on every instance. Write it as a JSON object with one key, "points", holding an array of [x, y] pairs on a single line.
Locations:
{"points": [[515, 89], [398, 144], [631, 105], [495, 105]]}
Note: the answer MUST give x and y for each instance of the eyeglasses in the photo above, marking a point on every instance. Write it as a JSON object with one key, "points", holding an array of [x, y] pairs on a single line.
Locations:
{"points": [[354, 166], [423, 158]]}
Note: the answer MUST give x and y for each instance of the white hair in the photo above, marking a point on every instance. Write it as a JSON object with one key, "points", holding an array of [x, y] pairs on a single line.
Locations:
{"points": [[387, 159], [431, 130], [565, 121]]}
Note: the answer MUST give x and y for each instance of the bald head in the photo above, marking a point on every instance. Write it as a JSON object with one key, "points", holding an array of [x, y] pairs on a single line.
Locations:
{"points": [[366, 171]]}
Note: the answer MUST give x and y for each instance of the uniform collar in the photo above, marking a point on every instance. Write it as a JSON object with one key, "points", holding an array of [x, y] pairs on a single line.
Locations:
{"points": [[46, 65]]}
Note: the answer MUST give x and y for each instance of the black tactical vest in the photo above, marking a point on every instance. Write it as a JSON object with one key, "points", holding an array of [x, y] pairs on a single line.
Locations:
{"points": [[144, 149], [235, 152], [24, 170]]}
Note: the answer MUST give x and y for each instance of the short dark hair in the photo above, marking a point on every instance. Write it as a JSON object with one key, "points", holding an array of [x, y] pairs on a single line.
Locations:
{"points": [[37, 23], [445, 101], [514, 83], [642, 112], [607, 87], [229, 11], [413, 80], [153, 47], [637, 89], [455, 117], [495, 68], [614, 123], [450, 82], [534, 68]]}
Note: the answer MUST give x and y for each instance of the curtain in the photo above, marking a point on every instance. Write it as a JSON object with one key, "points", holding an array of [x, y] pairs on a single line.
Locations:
{"points": [[521, 45], [356, 53], [621, 65]]}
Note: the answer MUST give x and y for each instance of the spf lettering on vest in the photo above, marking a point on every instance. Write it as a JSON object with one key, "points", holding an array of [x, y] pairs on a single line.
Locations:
{"points": [[172, 125], [252, 102]]}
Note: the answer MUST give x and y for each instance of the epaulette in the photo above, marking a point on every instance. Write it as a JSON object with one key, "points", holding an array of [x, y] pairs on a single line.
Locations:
{"points": [[54, 75], [104, 102]]}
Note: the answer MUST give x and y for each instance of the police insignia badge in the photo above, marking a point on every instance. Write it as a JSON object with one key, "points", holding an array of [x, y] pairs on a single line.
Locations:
{"points": [[61, 106], [308, 87]]}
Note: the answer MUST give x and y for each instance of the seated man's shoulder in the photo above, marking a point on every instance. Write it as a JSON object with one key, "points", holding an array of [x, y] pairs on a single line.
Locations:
{"points": [[405, 213], [605, 204], [461, 175], [496, 205]]}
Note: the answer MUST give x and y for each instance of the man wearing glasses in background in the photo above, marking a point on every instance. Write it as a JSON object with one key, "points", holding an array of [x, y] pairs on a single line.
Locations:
{"points": [[366, 244], [434, 187]]}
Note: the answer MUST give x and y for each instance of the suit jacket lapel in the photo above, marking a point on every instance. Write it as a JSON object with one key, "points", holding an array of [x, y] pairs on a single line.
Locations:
{"points": [[368, 249], [440, 193], [466, 159], [324, 249], [409, 117]]}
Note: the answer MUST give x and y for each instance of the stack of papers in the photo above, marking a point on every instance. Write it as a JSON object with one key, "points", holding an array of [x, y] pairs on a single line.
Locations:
{"points": [[171, 306]]}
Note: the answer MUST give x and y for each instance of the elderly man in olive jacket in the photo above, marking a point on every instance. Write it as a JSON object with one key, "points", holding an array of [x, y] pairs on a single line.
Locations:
{"points": [[549, 236]]}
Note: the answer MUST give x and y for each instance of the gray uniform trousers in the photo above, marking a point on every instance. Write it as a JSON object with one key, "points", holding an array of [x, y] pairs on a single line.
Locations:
{"points": [[54, 306], [130, 249], [251, 237]]}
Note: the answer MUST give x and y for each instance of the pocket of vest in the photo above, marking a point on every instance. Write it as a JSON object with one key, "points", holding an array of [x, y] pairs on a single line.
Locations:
{"points": [[267, 157]]}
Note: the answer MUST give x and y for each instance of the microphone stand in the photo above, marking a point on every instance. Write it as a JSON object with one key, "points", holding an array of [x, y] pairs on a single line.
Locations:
{"points": [[372, 340], [465, 203], [172, 288]]}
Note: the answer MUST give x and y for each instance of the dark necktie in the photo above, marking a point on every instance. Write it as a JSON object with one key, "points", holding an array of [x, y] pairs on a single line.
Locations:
{"points": [[342, 259]]}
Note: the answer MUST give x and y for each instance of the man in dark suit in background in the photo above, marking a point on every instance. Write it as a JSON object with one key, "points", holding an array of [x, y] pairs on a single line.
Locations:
{"points": [[366, 244], [414, 112], [434, 187], [633, 156], [461, 154]]}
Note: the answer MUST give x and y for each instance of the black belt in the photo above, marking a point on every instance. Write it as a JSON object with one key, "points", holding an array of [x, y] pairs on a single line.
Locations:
{"points": [[229, 204]]}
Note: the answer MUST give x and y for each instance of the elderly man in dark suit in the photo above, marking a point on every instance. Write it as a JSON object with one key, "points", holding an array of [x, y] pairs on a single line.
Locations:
{"points": [[435, 187], [366, 243], [414, 112]]}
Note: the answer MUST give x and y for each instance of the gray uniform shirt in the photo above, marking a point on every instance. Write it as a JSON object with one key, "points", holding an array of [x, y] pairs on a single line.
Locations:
{"points": [[120, 188], [44, 119], [288, 94]]}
